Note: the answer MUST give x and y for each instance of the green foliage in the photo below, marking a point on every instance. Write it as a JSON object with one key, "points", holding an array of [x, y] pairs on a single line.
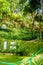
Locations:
{"points": [[13, 5], [36, 4], [22, 1], [22, 47], [20, 34], [37, 19], [16, 23], [4, 6], [29, 7]]}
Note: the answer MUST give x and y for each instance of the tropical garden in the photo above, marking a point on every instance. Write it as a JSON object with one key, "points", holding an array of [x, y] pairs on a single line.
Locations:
{"points": [[21, 25]]}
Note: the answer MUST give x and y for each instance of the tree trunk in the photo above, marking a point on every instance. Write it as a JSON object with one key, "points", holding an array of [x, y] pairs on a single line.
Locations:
{"points": [[40, 29], [33, 21]]}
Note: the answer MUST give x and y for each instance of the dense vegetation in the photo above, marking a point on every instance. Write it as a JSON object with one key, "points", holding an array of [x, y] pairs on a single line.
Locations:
{"points": [[21, 21], [23, 48], [15, 25]]}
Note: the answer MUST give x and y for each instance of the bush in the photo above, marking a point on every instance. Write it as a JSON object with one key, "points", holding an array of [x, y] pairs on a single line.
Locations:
{"points": [[28, 48], [21, 34], [22, 47], [28, 35]]}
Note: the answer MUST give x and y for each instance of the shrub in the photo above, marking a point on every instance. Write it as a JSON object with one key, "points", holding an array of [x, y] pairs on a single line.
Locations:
{"points": [[21, 34], [28, 48], [22, 47]]}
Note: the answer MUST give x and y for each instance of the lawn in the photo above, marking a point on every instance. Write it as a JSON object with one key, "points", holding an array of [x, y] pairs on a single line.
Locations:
{"points": [[10, 58]]}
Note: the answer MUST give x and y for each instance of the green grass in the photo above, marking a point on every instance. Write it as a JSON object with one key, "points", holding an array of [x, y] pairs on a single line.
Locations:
{"points": [[41, 62], [10, 58]]}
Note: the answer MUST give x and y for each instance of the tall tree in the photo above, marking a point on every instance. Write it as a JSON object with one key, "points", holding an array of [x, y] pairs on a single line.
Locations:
{"points": [[32, 7]]}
